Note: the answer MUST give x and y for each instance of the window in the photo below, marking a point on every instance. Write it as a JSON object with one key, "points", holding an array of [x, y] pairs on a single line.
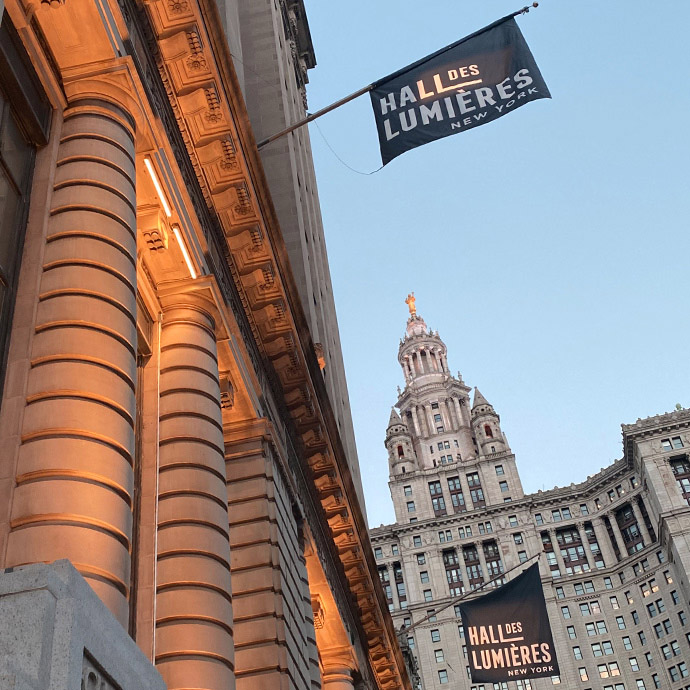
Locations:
{"points": [[499, 470], [413, 519], [673, 443], [620, 622], [584, 587], [577, 653], [614, 602], [607, 583], [640, 684], [410, 507], [565, 611], [427, 595], [407, 490], [503, 486], [517, 537], [424, 576], [571, 632], [445, 535], [643, 638], [674, 597], [648, 658], [394, 549], [438, 653], [555, 680], [608, 670], [602, 648], [443, 676], [583, 674], [435, 635], [627, 643], [416, 540], [634, 666], [560, 594], [512, 520], [437, 501], [522, 556], [556, 515], [378, 553], [538, 519], [421, 559], [431, 615], [584, 510], [410, 642], [655, 680]]}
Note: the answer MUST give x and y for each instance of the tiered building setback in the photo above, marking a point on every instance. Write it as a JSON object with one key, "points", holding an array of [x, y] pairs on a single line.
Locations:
{"points": [[615, 549]]}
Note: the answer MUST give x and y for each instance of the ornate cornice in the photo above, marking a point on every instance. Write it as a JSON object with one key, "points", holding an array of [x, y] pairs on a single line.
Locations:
{"points": [[250, 261]]}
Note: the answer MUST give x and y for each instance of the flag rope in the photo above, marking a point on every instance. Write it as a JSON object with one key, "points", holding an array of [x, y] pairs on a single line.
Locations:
{"points": [[360, 92], [464, 595]]}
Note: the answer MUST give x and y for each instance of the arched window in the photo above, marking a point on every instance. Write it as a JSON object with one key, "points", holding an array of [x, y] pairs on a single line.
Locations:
{"points": [[488, 432], [400, 451], [403, 469]]}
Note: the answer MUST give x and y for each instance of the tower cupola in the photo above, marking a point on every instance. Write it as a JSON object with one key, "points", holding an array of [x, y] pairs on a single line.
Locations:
{"points": [[422, 354], [486, 425], [401, 455]]}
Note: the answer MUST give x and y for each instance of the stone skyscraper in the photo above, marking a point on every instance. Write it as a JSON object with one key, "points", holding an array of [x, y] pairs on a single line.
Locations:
{"points": [[615, 547]]}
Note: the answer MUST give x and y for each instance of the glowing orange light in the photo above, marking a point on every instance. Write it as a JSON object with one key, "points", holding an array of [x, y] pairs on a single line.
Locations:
{"points": [[185, 253], [157, 185]]}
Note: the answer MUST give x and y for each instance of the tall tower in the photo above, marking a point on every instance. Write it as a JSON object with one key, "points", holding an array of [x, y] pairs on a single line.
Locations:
{"points": [[458, 449]]}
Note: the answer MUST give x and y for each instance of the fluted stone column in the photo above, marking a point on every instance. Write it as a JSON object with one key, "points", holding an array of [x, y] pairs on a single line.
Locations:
{"points": [[601, 533], [557, 550], [194, 634], [640, 522], [482, 561], [580, 527], [74, 476], [415, 419], [618, 535]]}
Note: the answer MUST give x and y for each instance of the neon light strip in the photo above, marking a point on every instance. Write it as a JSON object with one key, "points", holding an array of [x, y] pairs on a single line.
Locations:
{"points": [[185, 253], [157, 185]]}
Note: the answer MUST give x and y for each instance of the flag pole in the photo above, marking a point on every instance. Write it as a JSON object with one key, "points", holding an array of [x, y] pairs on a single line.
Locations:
{"points": [[312, 116], [464, 595]]}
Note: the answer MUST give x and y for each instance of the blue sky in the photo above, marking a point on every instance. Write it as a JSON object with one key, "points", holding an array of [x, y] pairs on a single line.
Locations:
{"points": [[550, 248]]}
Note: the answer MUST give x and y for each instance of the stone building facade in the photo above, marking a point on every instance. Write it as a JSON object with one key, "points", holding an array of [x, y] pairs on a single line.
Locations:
{"points": [[614, 549], [274, 54], [167, 434]]}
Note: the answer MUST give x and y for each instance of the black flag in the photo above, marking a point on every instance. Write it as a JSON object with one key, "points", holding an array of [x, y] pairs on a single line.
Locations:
{"points": [[466, 84], [507, 632]]}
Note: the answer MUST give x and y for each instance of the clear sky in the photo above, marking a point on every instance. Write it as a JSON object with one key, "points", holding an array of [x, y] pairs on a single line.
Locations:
{"points": [[550, 248]]}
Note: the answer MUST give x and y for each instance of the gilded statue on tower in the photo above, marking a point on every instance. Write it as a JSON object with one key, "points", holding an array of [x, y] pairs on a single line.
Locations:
{"points": [[410, 303]]}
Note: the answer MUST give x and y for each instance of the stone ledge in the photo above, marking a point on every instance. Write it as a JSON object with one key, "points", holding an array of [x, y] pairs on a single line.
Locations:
{"points": [[54, 631]]}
